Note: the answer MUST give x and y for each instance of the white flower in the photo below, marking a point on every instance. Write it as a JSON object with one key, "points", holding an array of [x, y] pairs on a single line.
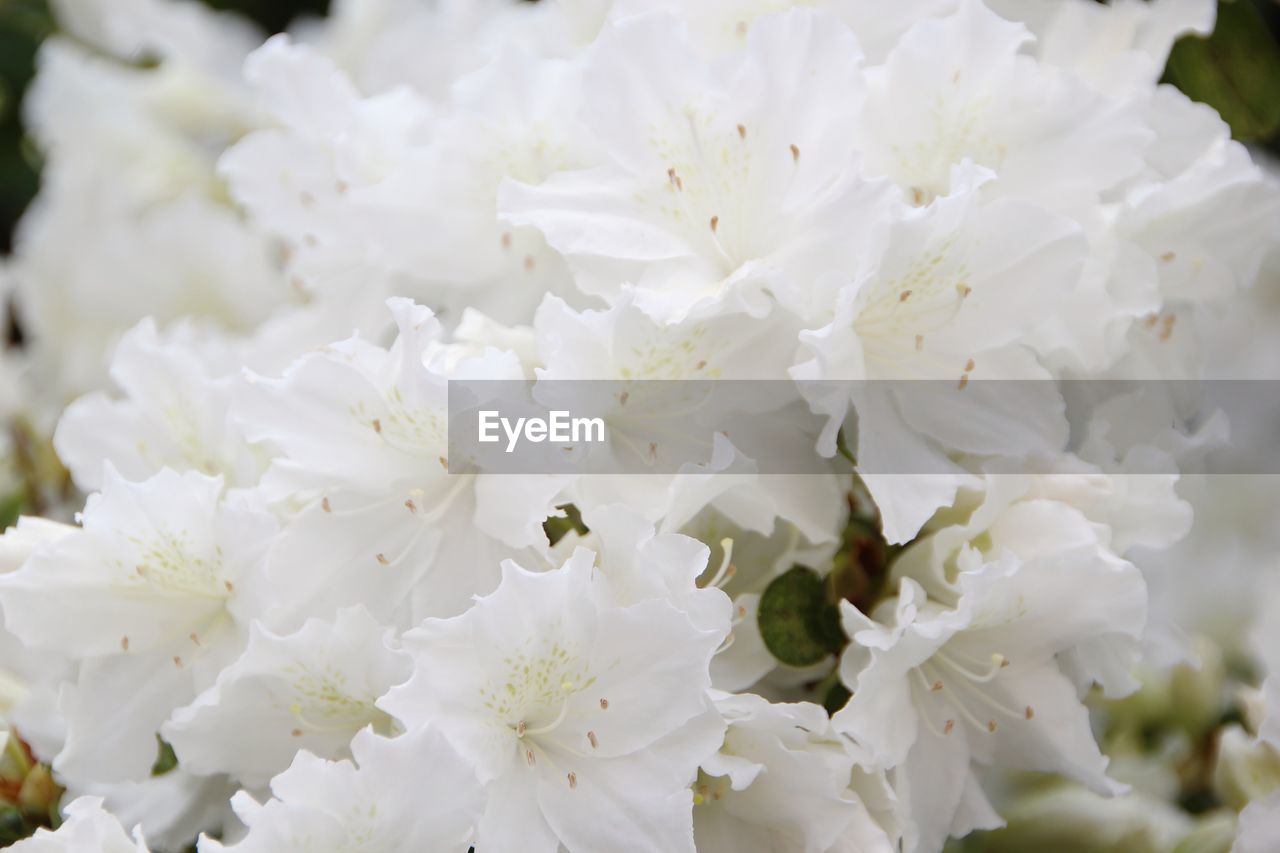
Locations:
{"points": [[174, 414], [980, 665], [152, 596], [85, 827], [947, 302], [1259, 826], [727, 185], [406, 793], [586, 722], [375, 513], [313, 689], [781, 781], [957, 89]]}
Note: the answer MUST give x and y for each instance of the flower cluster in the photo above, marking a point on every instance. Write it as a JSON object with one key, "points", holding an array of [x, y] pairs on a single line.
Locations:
{"points": [[283, 621]]}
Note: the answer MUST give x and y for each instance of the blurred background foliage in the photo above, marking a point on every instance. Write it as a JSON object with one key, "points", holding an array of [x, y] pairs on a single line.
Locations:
{"points": [[1237, 71]]}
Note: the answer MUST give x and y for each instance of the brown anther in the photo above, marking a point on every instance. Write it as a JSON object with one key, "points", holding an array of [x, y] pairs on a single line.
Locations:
{"points": [[573, 780], [506, 239], [324, 504], [936, 686], [193, 637], [1169, 257], [410, 505], [528, 263], [968, 366], [675, 179], [296, 732], [521, 728], [382, 558], [604, 704], [124, 643], [991, 726], [377, 425], [917, 196], [1029, 713], [795, 153], [1166, 328], [342, 187], [653, 450], [946, 729], [715, 220], [229, 585], [177, 661], [904, 296], [964, 380], [528, 756], [444, 462], [700, 365], [623, 397], [964, 290], [742, 131], [591, 738], [955, 78], [919, 343], [1004, 661]]}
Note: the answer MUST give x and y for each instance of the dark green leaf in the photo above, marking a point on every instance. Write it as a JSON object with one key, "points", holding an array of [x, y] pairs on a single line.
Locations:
{"points": [[1236, 71], [798, 623]]}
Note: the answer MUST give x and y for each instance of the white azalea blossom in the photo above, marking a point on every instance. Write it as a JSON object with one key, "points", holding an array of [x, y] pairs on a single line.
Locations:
{"points": [[361, 803], [907, 521], [87, 826], [585, 721], [163, 579], [313, 690]]}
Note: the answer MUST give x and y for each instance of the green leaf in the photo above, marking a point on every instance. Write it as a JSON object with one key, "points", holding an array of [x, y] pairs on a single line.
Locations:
{"points": [[1236, 71], [166, 758], [10, 508], [558, 527], [798, 623]]}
